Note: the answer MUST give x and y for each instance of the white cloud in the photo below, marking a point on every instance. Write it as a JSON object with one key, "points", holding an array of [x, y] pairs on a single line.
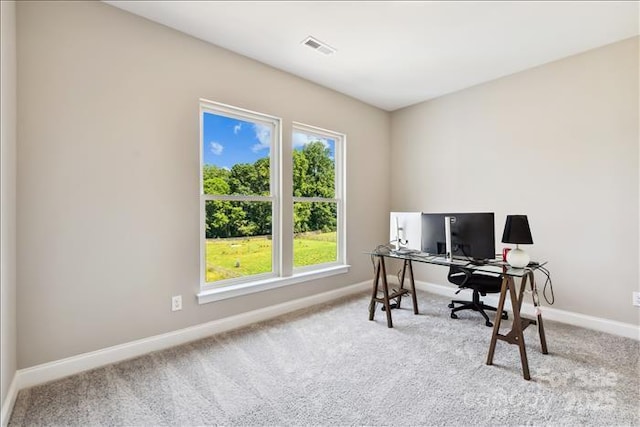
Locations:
{"points": [[263, 134], [302, 139], [237, 128], [216, 148]]}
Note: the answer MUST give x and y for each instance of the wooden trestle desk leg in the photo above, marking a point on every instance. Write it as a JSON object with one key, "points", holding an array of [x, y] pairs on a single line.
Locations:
{"points": [[407, 265], [496, 322], [376, 281], [523, 287], [385, 290], [543, 339], [413, 288], [404, 270], [380, 275], [517, 328], [515, 336]]}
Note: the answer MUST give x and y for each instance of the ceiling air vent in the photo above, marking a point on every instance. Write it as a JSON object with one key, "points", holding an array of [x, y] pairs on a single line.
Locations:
{"points": [[319, 46]]}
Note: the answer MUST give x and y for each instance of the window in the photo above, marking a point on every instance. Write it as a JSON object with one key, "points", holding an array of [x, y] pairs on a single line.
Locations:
{"points": [[241, 202], [239, 194], [317, 197]]}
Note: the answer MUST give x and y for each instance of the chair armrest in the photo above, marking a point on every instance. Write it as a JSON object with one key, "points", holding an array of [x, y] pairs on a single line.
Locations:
{"points": [[456, 271]]}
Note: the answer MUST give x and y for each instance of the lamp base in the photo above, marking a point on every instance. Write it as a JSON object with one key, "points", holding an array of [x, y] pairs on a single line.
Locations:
{"points": [[517, 258]]}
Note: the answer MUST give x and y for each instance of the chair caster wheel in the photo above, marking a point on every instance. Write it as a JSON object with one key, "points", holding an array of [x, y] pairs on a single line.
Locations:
{"points": [[489, 324], [454, 316], [505, 316], [450, 305]]}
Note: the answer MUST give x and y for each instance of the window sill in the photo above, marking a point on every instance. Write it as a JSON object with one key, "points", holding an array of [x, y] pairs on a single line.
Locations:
{"points": [[233, 291]]}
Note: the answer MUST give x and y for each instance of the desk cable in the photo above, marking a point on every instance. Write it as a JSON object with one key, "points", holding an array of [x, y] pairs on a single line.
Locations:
{"points": [[534, 294], [551, 298], [534, 291], [382, 249]]}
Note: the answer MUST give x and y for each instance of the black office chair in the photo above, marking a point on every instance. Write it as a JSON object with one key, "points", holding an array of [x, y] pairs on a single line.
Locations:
{"points": [[481, 284]]}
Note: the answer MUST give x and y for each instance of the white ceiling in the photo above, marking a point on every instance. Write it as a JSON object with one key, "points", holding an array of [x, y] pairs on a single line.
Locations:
{"points": [[392, 54]]}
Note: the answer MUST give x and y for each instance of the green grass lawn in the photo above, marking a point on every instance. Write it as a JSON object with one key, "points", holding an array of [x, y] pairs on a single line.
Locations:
{"points": [[238, 257]]}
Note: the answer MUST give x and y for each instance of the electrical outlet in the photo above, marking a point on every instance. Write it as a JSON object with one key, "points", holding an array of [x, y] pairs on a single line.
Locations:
{"points": [[636, 299], [176, 303]]}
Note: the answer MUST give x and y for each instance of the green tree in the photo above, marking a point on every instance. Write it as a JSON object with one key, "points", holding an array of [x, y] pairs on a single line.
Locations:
{"points": [[314, 176], [300, 169], [252, 179], [215, 180], [301, 217], [218, 221]]}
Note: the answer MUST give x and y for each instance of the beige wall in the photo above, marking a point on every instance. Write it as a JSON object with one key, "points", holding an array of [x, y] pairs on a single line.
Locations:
{"points": [[8, 196], [558, 143], [107, 195], [108, 174]]}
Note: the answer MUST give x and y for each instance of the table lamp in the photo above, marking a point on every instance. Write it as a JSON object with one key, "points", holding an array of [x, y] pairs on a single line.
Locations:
{"points": [[516, 230]]}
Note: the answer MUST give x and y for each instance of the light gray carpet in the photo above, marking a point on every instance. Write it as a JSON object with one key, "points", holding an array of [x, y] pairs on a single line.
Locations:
{"points": [[329, 365]]}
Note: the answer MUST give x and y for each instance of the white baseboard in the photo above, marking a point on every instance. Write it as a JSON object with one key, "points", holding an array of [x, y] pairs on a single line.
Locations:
{"points": [[46, 372], [9, 401], [548, 313]]}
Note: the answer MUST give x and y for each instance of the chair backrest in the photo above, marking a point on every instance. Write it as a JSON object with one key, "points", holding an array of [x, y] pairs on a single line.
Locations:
{"points": [[458, 276]]}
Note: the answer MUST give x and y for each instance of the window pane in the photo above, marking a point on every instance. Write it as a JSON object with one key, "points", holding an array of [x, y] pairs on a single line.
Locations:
{"points": [[313, 165], [314, 233], [235, 155], [238, 239]]}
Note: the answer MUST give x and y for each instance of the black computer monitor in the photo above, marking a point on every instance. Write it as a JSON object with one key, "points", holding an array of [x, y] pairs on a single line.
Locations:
{"points": [[433, 236], [472, 234]]}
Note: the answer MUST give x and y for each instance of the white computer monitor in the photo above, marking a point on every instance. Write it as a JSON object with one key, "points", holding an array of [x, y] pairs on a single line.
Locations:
{"points": [[405, 230]]}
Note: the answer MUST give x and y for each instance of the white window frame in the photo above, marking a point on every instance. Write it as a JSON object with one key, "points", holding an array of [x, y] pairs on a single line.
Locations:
{"points": [[282, 272], [339, 191], [274, 197]]}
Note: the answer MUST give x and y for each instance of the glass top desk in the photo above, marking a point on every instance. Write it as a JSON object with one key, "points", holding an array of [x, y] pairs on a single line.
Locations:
{"points": [[509, 288]]}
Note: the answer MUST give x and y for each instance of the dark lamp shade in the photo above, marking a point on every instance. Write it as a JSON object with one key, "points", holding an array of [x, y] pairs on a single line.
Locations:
{"points": [[516, 230]]}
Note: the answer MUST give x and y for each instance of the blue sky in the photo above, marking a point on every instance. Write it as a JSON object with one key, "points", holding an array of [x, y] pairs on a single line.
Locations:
{"points": [[228, 141]]}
